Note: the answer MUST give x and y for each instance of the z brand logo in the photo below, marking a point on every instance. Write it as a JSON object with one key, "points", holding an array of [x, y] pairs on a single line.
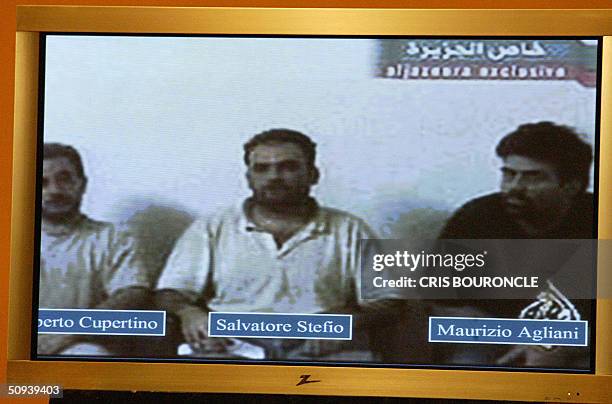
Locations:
{"points": [[304, 380]]}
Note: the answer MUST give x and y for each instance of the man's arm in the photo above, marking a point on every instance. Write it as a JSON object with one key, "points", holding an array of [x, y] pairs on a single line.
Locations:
{"points": [[131, 297], [183, 280], [367, 314], [127, 298], [125, 282], [458, 226], [372, 313], [125, 278], [378, 313], [193, 319], [53, 344]]}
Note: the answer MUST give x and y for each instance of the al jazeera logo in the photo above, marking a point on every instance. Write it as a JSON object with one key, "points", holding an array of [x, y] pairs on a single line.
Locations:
{"points": [[437, 59], [550, 304]]}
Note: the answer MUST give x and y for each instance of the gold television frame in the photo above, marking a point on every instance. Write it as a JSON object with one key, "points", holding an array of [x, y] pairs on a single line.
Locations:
{"points": [[364, 381]]}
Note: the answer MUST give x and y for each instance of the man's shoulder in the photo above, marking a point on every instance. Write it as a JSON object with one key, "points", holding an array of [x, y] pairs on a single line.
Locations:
{"points": [[583, 208], [490, 202], [581, 220], [481, 217], [227, 216], [340, 215], [92, 227], [97, 232], [585, 201], [110, 232], [232, 217], [235, 213], [341, 219], [93, 224]]}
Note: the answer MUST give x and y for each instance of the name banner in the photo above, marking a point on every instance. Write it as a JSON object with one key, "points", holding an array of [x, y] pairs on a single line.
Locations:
{"points": [[280, 325], [102, 322], [508, 331]]}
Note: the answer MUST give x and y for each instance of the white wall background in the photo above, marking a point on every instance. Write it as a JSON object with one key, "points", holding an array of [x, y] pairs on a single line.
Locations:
{"points": [[162, 121]]}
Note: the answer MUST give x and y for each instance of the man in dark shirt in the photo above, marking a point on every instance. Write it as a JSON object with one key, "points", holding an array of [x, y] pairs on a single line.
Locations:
{"points": [[545, 174]]}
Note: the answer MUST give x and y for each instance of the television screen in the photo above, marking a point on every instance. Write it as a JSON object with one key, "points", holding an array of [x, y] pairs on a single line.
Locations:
{"points": [[405, 202]]}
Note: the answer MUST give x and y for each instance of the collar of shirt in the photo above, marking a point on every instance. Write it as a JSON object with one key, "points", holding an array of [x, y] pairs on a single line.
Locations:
{"points": [[63, 229], [318, 225]]}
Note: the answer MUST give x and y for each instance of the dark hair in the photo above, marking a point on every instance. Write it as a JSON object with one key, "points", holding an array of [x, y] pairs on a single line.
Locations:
{"points": [[555, 144], [56, 150], [282, 136]]}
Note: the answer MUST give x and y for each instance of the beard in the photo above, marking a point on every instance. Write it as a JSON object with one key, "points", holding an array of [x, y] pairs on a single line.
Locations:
{"points": [[534, 212], [281, 197], [59, 208], [516, 205]]}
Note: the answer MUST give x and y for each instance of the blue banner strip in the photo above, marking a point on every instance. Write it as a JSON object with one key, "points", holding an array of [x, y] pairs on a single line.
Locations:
{"points": [[102, 322], [508, 331], [280, 325]]}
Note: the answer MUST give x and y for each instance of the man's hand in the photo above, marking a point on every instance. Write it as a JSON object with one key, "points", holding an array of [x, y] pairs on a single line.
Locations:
{"points": [[194, 325], [50, 344], [533, 356]]}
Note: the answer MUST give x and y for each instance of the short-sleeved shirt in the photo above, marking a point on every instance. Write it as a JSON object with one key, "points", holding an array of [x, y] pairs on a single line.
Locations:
{"points": [[238, 267], [84, 263]]}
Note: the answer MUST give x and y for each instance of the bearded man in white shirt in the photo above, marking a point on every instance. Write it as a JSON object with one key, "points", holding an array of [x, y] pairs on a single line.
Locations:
{"points": [[277, 252]]}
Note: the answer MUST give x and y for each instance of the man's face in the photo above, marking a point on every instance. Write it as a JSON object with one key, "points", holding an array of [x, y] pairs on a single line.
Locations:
{"points": [[532, 190], [279, 174], [62, 189]]}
